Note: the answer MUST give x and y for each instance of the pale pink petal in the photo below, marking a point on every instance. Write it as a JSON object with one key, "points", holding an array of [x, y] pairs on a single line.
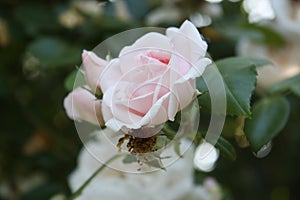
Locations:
{"points": [[130, 55], [182, 93], [140, 105], [110, 75], [179, 65], [187, 41], [80, 105], [158, 113], [197, 69], [138, 101], [118, 110], [106, 112], [93, 67]]}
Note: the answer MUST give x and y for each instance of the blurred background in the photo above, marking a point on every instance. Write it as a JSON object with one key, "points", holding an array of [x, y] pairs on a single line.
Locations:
{"points": [[40, 46]]}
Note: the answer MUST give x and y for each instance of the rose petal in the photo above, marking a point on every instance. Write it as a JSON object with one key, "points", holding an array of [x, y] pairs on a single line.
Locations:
{"points": [[110, 75], [150, 41], [80, 104], [187, 41], [93, 66], [158, 113], [197, 69]]}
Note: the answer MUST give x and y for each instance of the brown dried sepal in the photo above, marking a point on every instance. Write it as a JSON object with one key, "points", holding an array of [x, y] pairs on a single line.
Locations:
{"points": [[138, 145]]}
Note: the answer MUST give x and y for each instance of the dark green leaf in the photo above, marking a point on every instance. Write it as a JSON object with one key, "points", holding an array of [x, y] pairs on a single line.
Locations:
{"points": [[239, 75], [292, 84], [52, 52], [268, 119], [155, 162], [232, 124], [226, 149], [177, 148], [161, 141], [43, 191], [35, 18], [70, 80], [130, 159], [268, 35]]}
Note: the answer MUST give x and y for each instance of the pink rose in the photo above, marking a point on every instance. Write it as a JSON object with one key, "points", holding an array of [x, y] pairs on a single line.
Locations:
{"points": [[151, 80], [81, 104]]}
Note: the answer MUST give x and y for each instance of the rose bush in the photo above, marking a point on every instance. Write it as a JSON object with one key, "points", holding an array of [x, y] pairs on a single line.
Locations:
{"points": [[148, 83]]}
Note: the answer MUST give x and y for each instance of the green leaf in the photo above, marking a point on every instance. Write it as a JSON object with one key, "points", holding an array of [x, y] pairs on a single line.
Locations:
{"points": [[130, 159], [35, 18], [226, 149], [268, 35], [177, 147], [231, 125], [70, 80], [43, 191], [156, 162], [268, 119], [291, 84], [239, 75], [161, 141], [53, 52]]}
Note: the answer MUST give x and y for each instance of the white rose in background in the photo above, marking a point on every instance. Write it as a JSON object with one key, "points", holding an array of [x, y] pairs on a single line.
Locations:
{"points": [[287, 18], [286, 59], [259, 10], [175, 183], [206, 156], [147, 84]]}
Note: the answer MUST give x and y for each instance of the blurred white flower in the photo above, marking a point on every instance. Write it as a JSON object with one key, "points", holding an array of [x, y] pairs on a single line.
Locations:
{"points": [[206, 14], [23, 185], [205, 157], [287, 18], [286, 61], [171, 13], [214, 1], [211, 185], [168, 13], [174, 183], [259, 10], [200, 20], [218, 1], [213, 10], [70, 19], [58, 197], [88, 7], [4, 36], [122, 11]]}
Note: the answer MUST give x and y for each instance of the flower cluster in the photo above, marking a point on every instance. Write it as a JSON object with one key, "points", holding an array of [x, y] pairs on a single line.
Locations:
{"points": [[174, 183]]}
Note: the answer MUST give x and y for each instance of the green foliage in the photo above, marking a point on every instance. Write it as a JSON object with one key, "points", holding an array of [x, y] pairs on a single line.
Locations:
{"points": [[32, 105], [292, 84], [130, 158], [239, 75], [36, 18], [44, 191], [269, 117], [70, 80], [266, 34], [226, 148], [53, 52]]}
